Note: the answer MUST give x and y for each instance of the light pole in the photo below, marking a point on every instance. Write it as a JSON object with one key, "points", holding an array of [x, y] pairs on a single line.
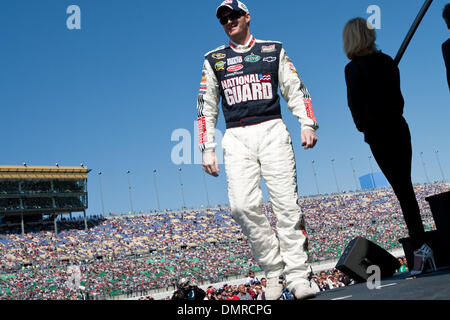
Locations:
{"points": [[181, 187], [101, 192], [335, 177], [315, 177], [156, 189], [439, 163], [206, 188], [129, 190], [424, 169], [354, 174], [371, 172]]}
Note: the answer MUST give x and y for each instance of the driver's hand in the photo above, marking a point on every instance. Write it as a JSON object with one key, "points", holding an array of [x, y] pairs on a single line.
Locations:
{"points": [[210, 164]]}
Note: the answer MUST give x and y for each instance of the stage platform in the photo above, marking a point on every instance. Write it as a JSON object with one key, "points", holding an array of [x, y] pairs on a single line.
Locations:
{"points": [[401, 286]]}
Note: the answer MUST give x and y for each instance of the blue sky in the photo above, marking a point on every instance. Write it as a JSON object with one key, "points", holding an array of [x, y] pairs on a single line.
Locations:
{"points": [[111, 94]]}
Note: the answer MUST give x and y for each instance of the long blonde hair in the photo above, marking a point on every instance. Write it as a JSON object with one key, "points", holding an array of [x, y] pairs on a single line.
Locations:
{"points": [[359, 38]]}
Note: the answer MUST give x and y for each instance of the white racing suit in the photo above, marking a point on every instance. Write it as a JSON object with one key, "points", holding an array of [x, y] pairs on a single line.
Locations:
{"points": [[257, 143]]}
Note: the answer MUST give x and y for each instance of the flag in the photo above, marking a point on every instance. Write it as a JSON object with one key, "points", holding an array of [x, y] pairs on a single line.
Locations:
{"points": [[265, 77]]}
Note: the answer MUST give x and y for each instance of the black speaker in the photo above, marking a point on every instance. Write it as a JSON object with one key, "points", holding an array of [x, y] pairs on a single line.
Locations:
{"points": [[361, 253], [440, 208]]}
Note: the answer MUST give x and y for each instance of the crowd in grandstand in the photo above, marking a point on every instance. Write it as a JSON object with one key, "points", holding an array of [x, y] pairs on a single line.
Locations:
{"points": [[253, 288], [129, 254], [376, 216]]}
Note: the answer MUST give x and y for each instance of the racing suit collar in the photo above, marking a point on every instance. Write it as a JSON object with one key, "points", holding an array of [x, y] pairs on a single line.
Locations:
{"points": [[245, 47]]}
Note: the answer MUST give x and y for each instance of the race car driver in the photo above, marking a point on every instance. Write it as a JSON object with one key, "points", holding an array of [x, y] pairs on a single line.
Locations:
{"points": [[246, 74]]}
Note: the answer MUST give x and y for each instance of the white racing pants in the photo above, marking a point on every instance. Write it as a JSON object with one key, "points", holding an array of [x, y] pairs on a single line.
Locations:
{"points": [[266, 150]]}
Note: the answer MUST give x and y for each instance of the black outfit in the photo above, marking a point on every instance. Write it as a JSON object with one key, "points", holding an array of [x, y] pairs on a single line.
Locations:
{"points": [[376, 104], [446, 54]]}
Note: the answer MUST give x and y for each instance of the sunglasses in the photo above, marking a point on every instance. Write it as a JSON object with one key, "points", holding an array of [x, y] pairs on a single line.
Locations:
{"points": [[232, 16]]}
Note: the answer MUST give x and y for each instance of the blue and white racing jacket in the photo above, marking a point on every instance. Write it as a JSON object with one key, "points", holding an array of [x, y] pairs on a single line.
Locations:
{"points": [[247, 77]]}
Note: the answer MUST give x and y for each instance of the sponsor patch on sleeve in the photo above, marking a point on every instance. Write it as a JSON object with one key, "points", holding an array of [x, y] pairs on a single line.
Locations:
{"points": [[203, 83], [309, 109], [291, 65], [202, 137]]}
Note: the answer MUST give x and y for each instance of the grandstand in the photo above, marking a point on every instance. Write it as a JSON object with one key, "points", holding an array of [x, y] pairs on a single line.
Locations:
{"points": [[140, 254], [30, 194]]}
